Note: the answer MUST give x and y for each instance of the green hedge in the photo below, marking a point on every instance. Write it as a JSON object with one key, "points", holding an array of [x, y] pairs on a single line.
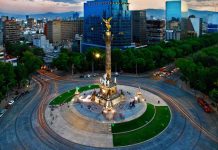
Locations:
{"points": [[67, 96]]}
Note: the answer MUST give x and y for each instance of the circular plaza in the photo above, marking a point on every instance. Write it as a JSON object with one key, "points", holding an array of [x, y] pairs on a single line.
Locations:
{"points": [[83, 121]]}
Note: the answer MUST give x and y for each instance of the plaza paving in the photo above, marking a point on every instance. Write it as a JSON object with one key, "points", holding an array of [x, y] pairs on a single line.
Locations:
{"points": [[85, 124]]}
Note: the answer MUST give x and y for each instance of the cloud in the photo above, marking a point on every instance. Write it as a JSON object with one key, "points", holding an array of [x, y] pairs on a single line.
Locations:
{"points": [[37, 6], [69, 1], [211, 5], [40, 6]]}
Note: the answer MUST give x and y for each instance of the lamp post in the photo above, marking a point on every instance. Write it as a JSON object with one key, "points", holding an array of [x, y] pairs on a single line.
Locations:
{"points": [[97, 56]]}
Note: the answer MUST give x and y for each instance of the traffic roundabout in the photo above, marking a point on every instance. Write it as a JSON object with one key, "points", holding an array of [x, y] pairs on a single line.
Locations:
{"points": [[83, 122], [35, 127]]}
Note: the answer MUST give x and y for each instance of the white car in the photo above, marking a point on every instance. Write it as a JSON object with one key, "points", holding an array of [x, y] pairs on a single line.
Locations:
{"points": [[2, 112], [116, 74], [88, 75], [11, 102]]}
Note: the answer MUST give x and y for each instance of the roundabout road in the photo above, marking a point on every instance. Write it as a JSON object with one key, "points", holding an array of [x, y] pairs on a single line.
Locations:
{"points": [[24, 126]]}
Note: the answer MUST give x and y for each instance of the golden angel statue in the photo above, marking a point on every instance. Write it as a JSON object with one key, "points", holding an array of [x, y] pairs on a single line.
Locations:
{"points": [[107, 23]]}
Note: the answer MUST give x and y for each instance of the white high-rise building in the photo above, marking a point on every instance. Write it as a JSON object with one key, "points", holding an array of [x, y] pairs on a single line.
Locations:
{"points": [[40, 41], [197, 25], [2, 53]]}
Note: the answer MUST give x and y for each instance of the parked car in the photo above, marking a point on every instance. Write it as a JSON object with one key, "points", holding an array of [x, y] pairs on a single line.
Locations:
{"points": [[87, 76], [95, 74], [11, 102], [204, 105], [82, 76], [2, 112], [116, 74]]}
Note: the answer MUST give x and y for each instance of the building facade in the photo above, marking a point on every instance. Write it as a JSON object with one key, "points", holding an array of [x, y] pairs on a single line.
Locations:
{"points": [[172, 34], [40, 41], [173, 19], [58, 31], [212, 26], [70, 28], [155, 31], [1, 37], [11, 31], [2, 54], [138, 27], [53, 32], [30, 22], [1, 32], [94, 28], [173, 10], [191, 27]]}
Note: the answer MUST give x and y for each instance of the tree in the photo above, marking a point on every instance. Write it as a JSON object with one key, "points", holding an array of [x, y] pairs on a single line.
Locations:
{"points": [[62, 62], [7, 78], [116, 55], [139, 63], [31, 62], [128, 60], [91, 56], [21, 74], [38, 51], [214, 95], [78, 60]]}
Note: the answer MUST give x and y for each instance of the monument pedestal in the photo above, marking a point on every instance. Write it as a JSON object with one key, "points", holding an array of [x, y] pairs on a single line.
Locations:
{"points": [[108, 95]]}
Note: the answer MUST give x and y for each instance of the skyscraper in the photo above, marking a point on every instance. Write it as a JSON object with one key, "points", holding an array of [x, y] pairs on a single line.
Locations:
{"points": [[173, 10], [53, 31], [94, 28], [1, 32], [173, 19], [155, 31], [30, 22], [69, 29], [11, 31], [1, 37], [2, 53], [139, 27]]}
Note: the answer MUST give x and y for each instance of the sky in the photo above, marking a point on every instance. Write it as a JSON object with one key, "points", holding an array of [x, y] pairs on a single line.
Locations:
{"points": [[42, 6]]}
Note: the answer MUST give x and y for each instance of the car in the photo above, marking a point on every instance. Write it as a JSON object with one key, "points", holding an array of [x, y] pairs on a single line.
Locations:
{"points": [[2, 112], [87, 76], [204, 105], [82, 76], [27, 92], [11, 102], [162, 69], [95, 74], [116, 74]]}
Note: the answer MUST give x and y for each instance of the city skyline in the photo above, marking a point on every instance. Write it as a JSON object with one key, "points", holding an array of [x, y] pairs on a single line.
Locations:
{"points": [[43, 6]]}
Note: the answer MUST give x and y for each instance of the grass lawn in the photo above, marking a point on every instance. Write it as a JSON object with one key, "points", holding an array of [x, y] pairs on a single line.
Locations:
{"points": [[158, 124], [136, 123], [67, 96]]}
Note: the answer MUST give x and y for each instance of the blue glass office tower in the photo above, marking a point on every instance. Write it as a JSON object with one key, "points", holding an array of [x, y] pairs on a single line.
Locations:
{"points": [[173, 10], [173, 19], [94, 28]]}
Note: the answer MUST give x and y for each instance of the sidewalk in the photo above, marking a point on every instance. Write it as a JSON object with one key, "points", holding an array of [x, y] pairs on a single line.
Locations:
{"points": [[12, 94], [195, 93]]}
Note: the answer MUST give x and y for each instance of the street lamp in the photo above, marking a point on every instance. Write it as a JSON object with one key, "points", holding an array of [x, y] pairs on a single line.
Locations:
{"points": [[97, 56]]}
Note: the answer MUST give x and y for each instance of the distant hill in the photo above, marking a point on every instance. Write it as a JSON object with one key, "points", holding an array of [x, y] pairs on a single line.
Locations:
{"points": [[49, 15], [201, 14], [160, 13], [155, 13], [151, 13]]}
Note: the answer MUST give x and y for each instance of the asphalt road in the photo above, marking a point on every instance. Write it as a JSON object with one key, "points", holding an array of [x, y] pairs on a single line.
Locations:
{"points": [[24, 127]]}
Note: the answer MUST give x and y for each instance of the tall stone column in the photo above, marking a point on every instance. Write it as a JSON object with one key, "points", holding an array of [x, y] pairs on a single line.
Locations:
{"points": [[108, 39]]}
